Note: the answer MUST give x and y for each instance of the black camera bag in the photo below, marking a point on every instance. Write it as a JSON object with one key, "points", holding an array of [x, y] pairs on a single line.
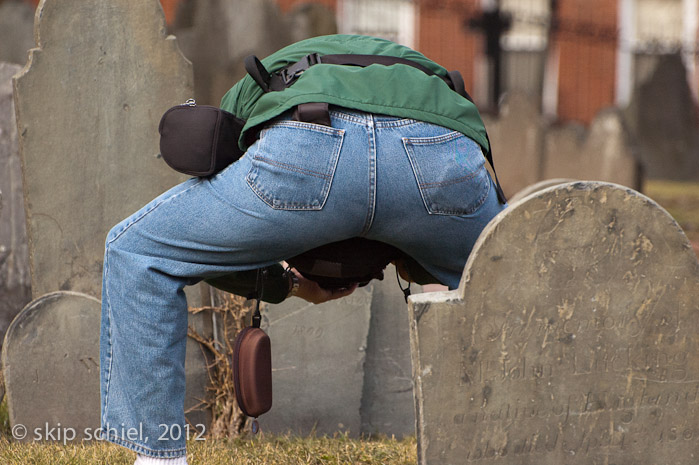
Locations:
{"points": [[199, 140]]}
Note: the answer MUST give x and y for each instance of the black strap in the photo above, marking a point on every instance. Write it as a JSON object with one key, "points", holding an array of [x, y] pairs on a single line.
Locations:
{"points": [[367, 60], [457, 84], [489, 157], [289, 74], [259, 290], [406, 291], [314, 112], [257, 71]]}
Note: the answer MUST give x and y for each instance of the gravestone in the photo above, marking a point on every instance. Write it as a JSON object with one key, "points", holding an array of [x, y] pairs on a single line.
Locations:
{"points": [[310, 20], [528, 148], [601, 153], [572, 338], [15, 283], [517, 136], [51, 367], [88, 106], [217, 35], [16, 26], [662, 117], [387, 397], [536, 187], [318, 354]]}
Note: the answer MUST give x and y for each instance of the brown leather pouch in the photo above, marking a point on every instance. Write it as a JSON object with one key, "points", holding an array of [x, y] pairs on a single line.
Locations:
{"points": [[252, 371]]}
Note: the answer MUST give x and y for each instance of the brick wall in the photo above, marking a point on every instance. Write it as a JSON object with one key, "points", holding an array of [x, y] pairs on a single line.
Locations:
{"points": [[442, 35], [587, 41]]}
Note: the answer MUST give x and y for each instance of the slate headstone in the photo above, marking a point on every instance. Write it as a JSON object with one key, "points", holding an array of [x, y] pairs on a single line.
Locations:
{"points": [[602, 152], [572, 338], [310, 20], [88, 106], [51, 367], [15, 282], [528, 148], [318, 354], [16, 30], [517, 137], [217, 35], [536, 187], [387, 398], [662, 117]]}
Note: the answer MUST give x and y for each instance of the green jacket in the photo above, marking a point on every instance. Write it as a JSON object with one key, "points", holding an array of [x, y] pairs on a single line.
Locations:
{"points": [[396, 90]]}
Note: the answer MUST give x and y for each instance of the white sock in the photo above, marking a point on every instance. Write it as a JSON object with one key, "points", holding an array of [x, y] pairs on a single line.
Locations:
{"points": [[143, 460]]}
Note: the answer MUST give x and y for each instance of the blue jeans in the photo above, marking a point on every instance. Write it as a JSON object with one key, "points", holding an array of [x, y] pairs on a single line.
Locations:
{"points": [[417, 186]]}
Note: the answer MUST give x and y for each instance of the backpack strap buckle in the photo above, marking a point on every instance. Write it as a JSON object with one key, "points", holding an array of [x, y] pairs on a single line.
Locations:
{"points": [[289, 74]]}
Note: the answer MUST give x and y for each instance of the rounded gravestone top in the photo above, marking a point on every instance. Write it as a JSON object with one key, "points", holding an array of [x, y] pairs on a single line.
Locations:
{"points": [[50, 363], [572, 339], [536, 187]]}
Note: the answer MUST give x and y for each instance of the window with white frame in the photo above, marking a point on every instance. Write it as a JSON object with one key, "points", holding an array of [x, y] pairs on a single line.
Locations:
{"points": [[524, 45], [389, 19], [530, 24], [649, 29]]}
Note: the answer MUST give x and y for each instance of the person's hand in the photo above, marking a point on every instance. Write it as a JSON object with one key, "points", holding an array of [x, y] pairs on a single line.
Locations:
{"points": [[311, 292]]}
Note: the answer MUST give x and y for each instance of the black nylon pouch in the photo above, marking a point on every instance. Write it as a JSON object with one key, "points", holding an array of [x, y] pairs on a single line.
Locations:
{"points": [[199, 140]]}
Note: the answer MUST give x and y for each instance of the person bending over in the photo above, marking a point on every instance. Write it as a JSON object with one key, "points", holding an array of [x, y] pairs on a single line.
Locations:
{"points": [[398, 159]]}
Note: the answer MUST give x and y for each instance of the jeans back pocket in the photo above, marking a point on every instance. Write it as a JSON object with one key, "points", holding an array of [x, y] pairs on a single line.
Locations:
{"points": [[293, 165], [450, 173]]}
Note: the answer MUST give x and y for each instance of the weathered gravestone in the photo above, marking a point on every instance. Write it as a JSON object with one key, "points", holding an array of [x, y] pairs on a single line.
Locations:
{"points": [[88, 107], [517, 137], [602, 152], [15, 283], [343, 365], [387, 396], [318, 354], [536, 187], [311, 20], [662, 117], [16, 20], [218, 34], [50, 362], [528, 149], [572, 339]]}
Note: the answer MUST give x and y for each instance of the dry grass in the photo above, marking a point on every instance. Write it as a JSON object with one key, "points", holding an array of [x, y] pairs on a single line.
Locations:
{"points": [[232, 311], [282, 450], [681, 200]]}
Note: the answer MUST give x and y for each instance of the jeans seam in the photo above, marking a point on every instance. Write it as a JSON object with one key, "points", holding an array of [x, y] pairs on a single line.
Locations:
{"points": [[371, 136], [168, 453], [153, 207], [477, 205], [108, 377], [427, 185], [304, 125], [434, 139], [292, 168]]}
